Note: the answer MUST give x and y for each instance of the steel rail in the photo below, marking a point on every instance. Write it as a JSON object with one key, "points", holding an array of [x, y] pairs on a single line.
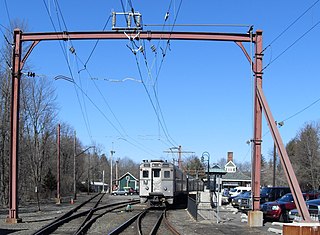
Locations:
{"points": [[126, 224], [85, 227], [169, 225], [139, 221], [64, 216], [89, 215], [64, 219], [157, 224]]}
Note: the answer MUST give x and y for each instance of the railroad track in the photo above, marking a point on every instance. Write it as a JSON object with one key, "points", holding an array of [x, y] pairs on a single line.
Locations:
{"points": [[149, 221], [82, 217]]}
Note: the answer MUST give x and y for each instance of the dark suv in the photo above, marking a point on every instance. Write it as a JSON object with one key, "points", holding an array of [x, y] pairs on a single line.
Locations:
{"points": [[268, 194]]}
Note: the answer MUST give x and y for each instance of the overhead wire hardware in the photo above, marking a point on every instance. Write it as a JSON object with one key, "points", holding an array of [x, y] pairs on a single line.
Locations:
{"points": [[129, 16]]}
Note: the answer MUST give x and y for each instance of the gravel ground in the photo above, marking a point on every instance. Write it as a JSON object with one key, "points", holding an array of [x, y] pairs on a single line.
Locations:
{"points": [[32, 220], [231, 224]]}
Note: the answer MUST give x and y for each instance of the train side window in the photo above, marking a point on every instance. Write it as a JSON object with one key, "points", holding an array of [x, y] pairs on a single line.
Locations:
{"points": [[145, 174], [156, 173], [166, 174]]}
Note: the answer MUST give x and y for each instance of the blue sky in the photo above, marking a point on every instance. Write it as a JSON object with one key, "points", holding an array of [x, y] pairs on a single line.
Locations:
{"points": [[204, 88]]}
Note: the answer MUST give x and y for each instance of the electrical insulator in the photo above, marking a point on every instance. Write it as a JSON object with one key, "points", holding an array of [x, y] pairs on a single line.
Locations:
{"points": [[166, 16], [72, 50], [129, 21], [31, 74], [153, 48], [114, 19], [138, 21]]}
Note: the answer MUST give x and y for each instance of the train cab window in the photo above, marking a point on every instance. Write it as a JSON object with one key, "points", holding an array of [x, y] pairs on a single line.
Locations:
{"points": [[156, 173], [145, 174], [166, 174]]}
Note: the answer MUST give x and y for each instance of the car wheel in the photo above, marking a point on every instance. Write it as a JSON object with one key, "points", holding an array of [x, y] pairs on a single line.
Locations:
{"points": [[125, 194], [284, 217]]}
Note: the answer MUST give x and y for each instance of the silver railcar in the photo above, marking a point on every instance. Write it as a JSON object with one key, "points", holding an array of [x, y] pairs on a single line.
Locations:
{"points": [[162, 183]]}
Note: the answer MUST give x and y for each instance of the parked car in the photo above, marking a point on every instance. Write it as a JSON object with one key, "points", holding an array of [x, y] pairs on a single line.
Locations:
{"points": [[235, 202], [246, 203], [279, 210], [130, 190], [237, 190], [313, 208], [120, 192], [269, 194]]}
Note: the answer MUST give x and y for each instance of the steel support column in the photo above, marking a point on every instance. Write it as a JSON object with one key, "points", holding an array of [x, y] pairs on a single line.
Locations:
{"points": [[14, 138], [285, 161], [257, 131]]}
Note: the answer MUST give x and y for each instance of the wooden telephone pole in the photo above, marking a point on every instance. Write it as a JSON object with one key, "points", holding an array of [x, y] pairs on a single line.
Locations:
{"points": [[179, 152]]}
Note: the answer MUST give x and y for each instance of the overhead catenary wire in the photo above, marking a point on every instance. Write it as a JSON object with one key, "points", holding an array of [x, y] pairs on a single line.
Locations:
{"points": [[6, 28], [150, 99], [7, 11], [5, 37], [124, 137], [291, 45], [83, 106], [157, 106], [72, 77], [63, 48], [286, 29], [95, 45], [163, 126], [295, 114]]}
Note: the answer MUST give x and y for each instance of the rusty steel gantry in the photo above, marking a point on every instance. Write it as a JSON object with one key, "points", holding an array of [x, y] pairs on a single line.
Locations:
{"points": [[260, 103]]}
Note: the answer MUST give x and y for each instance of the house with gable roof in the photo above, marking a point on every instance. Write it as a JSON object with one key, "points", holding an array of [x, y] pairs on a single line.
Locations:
{"points": [[234, 177], [128, 180]]}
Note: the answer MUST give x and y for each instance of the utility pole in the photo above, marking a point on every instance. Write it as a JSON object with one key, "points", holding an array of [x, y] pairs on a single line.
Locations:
{"points": [[74, 168], [274, 164], [111, 155], [179, 152], [58, 165], [89, 173], [103, 181], [117, 172]]}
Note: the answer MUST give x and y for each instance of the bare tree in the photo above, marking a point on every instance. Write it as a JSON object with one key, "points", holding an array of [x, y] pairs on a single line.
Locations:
{"points": [[306, 156], [5, 102], [39, 113]]}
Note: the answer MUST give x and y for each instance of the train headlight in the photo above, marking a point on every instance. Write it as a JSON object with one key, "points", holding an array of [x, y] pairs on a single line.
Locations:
{"points": [[165, 188], [145, 181], [147, 188]]}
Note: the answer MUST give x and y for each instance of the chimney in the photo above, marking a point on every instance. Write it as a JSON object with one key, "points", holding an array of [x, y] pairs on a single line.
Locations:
{"points": [[230, 157]]}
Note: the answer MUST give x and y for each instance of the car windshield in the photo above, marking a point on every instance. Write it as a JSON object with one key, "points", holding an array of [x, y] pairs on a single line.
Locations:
{"points": [[265, 190], [286, 198], [246, 194]]}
